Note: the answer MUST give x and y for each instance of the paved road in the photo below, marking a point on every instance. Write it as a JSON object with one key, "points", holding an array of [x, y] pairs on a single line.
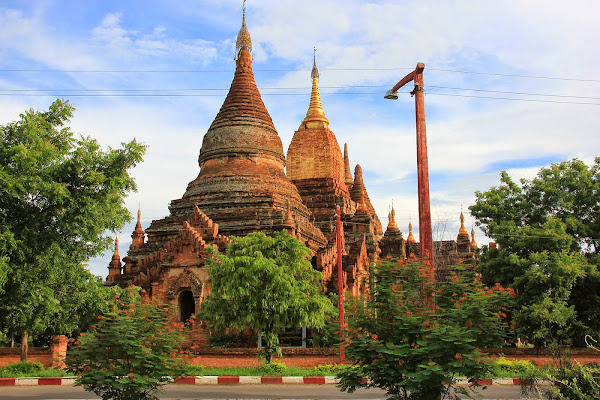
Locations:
{"points": [[235, 392]]}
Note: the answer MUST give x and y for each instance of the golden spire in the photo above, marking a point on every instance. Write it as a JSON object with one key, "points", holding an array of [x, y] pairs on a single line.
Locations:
{"points": [[473, 242], [243, 39], [315, 116], [392, 225], [411, 237], [462, 230]]}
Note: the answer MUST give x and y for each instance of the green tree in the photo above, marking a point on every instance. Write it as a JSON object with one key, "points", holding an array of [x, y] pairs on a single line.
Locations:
{"points": [[59, 195], [547, 232], [265, 284], [413, 339], [131, 352]]}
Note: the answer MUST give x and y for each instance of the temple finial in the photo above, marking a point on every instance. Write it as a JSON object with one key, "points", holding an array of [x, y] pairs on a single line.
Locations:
{"points": [[243, 39], [315, 72], [411, 236], [315, 116], [473, 242], [392, 225], [462, 230]]}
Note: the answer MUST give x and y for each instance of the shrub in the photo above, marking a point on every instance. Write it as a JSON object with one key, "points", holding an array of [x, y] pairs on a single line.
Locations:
{"points": [[412, 338], [130, 353], [522, 369], [574, 381], [272, 368]]}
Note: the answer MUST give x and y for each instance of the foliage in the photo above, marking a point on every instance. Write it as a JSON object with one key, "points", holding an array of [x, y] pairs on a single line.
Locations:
{"points": [[27, 369], [329, 334], [273, 368], [265, 284], [58, 197], [131, 351], [24, 369], [336, 369], [413, 339], [547, 232], [574, 381], [521, 369]]}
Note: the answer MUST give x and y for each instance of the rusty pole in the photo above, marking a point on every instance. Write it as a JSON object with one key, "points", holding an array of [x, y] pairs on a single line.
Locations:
{"points": [[425, 231], [338, 232]]}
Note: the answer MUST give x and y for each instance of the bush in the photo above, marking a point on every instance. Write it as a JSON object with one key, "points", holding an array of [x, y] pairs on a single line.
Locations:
{"points": [[522, 369], [413, 339], [337, 369], [574, 381], [130, 353], [272, 368], [28, 369]]}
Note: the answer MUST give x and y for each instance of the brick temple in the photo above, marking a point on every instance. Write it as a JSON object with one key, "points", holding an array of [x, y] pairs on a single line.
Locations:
{"points": [[243, 186]]}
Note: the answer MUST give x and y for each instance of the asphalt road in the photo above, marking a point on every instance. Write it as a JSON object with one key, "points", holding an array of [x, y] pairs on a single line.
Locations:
{"points": [[236, 392]]}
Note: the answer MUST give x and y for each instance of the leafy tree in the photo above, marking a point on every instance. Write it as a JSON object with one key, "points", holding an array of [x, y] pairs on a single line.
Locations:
{"points": [[59, 195], [131, 351], [547, 231], [414, 350], [265, 284]]}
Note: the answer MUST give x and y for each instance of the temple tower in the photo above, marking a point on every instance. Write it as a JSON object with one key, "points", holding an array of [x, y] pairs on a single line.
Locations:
{"points": [[241, 161], [315, 163]]}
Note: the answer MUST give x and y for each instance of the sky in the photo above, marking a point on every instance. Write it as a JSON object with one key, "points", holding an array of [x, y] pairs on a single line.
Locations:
{"points": [[509, 85]]}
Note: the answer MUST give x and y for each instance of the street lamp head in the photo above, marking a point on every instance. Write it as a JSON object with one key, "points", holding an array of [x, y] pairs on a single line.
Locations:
{"points": [[391, 95]]}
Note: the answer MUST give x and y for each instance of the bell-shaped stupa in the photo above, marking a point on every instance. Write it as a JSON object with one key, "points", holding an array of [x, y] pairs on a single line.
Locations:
{"points": [[242, 183]]}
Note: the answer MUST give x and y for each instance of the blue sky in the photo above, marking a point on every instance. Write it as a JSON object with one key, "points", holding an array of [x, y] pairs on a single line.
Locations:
{"points": [[363, 48]]}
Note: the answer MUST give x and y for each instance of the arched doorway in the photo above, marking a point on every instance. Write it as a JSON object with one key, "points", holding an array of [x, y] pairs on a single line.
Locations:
{"points": [[187, 305]]}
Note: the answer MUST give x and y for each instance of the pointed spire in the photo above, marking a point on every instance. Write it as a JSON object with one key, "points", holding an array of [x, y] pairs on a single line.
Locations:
{"points": [[411, 237], [358, 187], [349, 180], [243, 39], [114, 267], [392, 225], [138, 233], [473, 242], [462, 231], [315, 116], [116, 253]]}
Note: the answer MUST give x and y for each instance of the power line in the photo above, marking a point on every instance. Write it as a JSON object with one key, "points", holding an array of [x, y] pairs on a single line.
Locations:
{"points": [[292, 94], [293, 88], [296, 70]]}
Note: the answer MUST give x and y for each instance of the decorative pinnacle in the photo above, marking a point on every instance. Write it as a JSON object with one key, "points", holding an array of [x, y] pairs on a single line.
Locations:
{"points": [[243, 39], [462, 230], [315, 72], [315, 111], [116, 253]]}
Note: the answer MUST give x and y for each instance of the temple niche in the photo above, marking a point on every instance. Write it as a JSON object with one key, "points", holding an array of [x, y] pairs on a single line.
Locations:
{"points": [[244, 185]]}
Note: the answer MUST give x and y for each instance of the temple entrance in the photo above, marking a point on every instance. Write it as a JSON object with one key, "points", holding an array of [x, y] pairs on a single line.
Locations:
{"points": [[187, 305]]}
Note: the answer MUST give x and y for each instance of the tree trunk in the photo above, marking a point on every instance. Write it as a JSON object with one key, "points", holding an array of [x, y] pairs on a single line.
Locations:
{"points": [[12, 340], [24, 345]]}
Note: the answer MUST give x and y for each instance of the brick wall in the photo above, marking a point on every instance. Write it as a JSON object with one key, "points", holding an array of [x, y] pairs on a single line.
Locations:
{"points": [[52, 356]]}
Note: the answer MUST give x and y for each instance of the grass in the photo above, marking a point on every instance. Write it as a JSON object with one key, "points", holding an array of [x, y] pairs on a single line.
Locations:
{"points": [[501, 368]]}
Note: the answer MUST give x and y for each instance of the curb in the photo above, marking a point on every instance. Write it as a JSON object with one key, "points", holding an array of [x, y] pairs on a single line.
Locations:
{"points": [[248, 380]]}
